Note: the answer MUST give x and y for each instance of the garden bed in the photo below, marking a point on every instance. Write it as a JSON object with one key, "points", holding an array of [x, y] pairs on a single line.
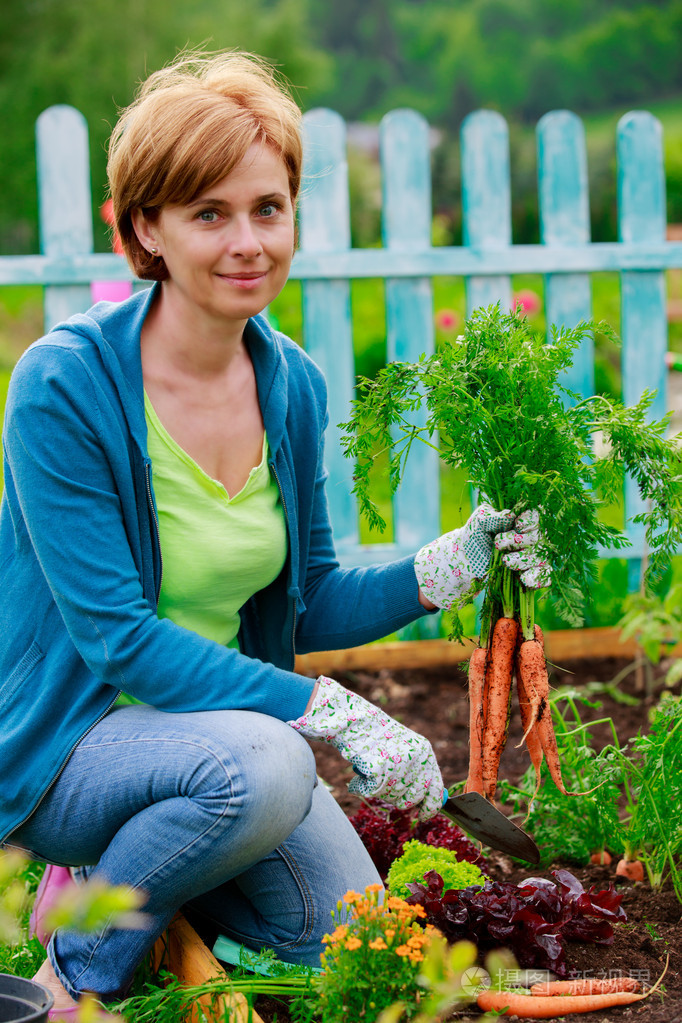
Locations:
{"points": [[433, 702]]}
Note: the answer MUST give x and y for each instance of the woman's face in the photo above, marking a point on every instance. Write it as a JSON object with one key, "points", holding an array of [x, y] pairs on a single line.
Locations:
{"points": [[228, 253]]}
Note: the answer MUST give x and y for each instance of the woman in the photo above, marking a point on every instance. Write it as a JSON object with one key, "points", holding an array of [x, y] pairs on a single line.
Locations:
{"points": [[178, 429]]}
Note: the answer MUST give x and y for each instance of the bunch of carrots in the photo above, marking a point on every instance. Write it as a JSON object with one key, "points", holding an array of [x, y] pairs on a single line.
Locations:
{"points": [[512, 648], [565, 997]]}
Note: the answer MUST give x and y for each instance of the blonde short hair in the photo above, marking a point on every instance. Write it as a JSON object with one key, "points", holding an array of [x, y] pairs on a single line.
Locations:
{"points": [[189, 126]]}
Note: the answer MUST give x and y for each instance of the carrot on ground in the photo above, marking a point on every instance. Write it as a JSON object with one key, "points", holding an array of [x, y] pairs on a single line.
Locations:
{"points": [[477, 670], [586, 986], [496, 699], [546, 1007], [509, 1003]]}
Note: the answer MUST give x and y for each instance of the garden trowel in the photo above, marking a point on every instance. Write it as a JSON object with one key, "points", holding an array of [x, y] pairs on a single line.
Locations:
{"points": [[483, 821]]}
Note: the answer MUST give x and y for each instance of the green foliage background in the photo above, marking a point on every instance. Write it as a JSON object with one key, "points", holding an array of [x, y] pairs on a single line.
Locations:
{"points": [[445, 59]]}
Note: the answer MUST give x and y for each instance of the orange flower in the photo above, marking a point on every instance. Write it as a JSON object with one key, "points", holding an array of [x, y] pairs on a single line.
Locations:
{"points": [[340, 933], [390, 933], [416, 941], [378, 944], [403, 950], [374, 888], [350, 897], [352, 944], [416, 957], [393, 902]]}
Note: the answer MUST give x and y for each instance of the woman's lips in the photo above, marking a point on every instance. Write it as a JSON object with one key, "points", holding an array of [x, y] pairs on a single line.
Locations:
{"points": [[244, 280]]}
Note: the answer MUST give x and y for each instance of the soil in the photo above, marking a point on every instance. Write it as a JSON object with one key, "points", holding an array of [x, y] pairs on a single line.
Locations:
{"points": [[434, 703]]}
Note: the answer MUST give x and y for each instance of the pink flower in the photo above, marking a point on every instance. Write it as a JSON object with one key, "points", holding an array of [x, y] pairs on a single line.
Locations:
{"points": [[447, 319], [527, 301]]}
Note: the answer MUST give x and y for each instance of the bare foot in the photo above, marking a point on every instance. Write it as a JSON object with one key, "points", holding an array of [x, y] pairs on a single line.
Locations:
{"points": [[48, 978]]}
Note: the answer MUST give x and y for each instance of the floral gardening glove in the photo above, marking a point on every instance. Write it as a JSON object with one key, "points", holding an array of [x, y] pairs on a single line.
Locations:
{"points": [[523, 541], [450, 570], [391, 760]]}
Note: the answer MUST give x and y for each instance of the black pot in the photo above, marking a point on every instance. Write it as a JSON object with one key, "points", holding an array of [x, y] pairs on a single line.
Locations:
{"points": [[23, 1001]]}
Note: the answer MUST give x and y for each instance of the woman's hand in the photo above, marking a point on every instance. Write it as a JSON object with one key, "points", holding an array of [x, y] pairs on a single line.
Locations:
{"points": [[452, 568], [390, 760]]}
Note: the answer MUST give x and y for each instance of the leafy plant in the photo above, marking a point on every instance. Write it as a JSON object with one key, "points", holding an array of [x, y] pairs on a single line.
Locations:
{"points": [[533, 919], [417, 859], [496, 403], [655, 622], [384, 830], [651, 766]]}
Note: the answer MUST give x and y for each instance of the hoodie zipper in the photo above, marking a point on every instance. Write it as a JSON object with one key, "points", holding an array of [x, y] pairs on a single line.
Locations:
{"points": [[155, 520], [286, 516]]}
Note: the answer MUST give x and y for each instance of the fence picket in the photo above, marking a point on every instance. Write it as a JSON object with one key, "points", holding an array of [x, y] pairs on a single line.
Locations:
{"points": [[565, 221], [64, 203], [486, 202], [406, 181], [325, 227], [641, 219]]}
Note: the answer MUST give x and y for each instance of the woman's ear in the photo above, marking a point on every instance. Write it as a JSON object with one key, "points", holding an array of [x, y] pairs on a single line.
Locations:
{"points": [[145, 229]]}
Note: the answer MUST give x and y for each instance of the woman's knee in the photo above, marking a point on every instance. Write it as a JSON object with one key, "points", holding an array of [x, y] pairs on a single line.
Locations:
{"points": [[255, 764]]}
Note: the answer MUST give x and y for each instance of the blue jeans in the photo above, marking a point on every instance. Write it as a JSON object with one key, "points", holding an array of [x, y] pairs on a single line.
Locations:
{"points": [[219, 810]]}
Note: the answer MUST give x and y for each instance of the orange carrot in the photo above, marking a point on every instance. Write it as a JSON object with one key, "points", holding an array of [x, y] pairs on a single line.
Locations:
{"points": [[532, 669], [477, 670], [497, 699], [601, 856], [586, 986], [507, 1003], [633, 870], [528, 724]]}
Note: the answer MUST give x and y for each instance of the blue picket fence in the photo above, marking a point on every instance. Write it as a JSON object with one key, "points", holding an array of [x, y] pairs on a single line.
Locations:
{"points": [[326, 263]]}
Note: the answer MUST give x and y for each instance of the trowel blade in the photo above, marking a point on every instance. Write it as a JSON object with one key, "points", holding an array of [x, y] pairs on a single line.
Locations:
{"points": [[483, 821]]}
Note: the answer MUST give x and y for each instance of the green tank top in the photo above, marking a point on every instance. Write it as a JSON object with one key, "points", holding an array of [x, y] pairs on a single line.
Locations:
{"points": [[217, 550]]}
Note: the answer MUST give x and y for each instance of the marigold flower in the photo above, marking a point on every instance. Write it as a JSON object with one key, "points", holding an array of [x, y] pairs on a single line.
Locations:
{"points": [[374, 888], [340, 933], [350, 897], [393, 902], [403, 950], [416, 957], [378, 944], [416, 941], [352, 944], [389, 933]]}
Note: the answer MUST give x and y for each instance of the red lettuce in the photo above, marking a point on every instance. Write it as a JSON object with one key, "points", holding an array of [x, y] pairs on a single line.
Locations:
{"points": [[384, 831], [534, 919]]}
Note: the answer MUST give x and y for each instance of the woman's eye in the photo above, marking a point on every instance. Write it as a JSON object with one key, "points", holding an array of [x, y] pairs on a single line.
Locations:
{"points": [[207, 216], [268, 210]]}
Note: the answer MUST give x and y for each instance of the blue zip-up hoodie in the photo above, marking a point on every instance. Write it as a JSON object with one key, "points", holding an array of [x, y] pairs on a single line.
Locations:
{"points": [[80, 565]]}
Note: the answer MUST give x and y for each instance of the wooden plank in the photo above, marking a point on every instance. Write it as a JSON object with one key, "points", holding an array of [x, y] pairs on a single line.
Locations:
{"points": [[486, 202], [565, 221], [64, 202], [443, 261], [325, 227], [406, 177], [181, 951], [562, 645], [644, 325]]}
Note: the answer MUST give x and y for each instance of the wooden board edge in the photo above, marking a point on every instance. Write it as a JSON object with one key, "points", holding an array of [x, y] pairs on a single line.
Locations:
{"points": [[181, 951], [561, 645]]}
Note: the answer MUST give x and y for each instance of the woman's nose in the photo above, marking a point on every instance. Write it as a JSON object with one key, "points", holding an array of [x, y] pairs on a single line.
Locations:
{"points": [[244, 240]]}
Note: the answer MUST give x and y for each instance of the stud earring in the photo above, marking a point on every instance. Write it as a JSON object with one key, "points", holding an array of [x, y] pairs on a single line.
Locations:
{"points": [[153, 251]]}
